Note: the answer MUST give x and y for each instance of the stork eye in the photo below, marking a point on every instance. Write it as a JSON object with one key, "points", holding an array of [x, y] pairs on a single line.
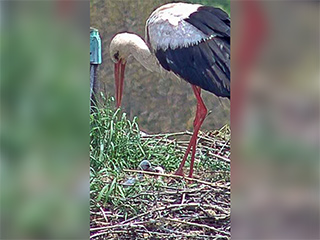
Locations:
{"points": [[116, 56]]}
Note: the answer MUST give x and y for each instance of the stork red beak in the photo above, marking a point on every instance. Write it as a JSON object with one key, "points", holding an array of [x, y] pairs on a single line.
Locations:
{"points": [[119, 76]]}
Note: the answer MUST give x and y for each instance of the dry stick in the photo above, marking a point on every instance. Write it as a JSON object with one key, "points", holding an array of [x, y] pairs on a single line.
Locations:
{"points": [[177, 206], [167, 134], [120, 225], [177, 176], [133, 225], [208, 139], [173, 233], [163, 208], [219, 156], [127, 222], [209, 145], [188, 191], [163, 234], [209, 153], [224, 146], [104, 214], [204, 137], [197, 225], [175, 191], [170, 234], [170, 231], [102, 223], [183, 192], [183, 198]]}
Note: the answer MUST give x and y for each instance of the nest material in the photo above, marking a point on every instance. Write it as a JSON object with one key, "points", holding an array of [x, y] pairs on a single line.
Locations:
{"points": [[171, 207]]}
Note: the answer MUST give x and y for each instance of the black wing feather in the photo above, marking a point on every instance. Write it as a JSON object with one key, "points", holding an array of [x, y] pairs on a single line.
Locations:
{"points": [[198, 65], [211, 21], [206, 64]]}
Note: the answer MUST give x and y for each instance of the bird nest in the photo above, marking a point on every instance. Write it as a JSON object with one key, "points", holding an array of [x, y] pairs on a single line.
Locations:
{"points": [[166, 206]]}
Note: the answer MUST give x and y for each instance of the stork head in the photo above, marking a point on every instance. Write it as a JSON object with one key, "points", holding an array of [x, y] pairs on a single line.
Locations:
{"points": [[119, 54]]}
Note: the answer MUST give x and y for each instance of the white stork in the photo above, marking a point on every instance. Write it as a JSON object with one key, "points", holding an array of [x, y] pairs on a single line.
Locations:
{"points": [[191, 41]]}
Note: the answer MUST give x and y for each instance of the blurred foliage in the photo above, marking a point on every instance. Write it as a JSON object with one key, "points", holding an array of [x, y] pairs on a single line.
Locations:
{"points": [[44, 121], [275, 139], [162, 105]]}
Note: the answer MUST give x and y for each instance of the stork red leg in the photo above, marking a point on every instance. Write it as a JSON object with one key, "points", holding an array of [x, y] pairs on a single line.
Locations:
{"points": [[200, 116]]}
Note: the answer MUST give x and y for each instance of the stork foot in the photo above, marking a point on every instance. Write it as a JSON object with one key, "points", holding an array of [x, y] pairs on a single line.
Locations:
{"points": [[179, 172]]}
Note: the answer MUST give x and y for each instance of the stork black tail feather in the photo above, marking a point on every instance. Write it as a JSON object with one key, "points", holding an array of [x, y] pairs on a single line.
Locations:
{"points": [[206, 65]]}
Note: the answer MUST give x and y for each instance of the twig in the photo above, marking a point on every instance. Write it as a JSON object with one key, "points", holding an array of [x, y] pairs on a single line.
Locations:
{"points": [[198, 225], [104, 215], [167, 134], [221, 157], [120, 225], [225, 144], [162, 208], [179, 177]]}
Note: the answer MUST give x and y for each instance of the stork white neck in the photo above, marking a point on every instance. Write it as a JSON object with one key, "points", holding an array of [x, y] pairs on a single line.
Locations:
{"points": [[127, 44]]}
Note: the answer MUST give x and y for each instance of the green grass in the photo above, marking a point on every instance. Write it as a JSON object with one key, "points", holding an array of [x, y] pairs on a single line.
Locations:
{"points": [[116, 144]]}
